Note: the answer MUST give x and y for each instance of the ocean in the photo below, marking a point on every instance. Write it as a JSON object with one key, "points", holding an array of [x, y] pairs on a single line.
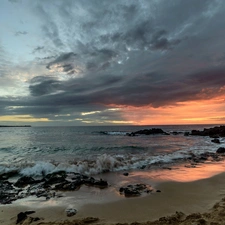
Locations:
{"points": [[91, 150]]}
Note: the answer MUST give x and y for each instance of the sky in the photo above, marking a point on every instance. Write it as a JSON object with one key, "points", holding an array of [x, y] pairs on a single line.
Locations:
{"points": [[120, 62]]}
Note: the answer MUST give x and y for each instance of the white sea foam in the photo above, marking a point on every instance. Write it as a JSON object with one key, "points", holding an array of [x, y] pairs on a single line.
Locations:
{"points": [[102, 163]]}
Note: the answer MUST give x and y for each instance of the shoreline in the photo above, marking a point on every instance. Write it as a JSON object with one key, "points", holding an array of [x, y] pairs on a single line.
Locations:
{"points": [[194, 196]]}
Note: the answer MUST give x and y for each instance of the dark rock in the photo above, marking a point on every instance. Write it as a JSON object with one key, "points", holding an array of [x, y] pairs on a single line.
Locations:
{"points": [[67, 186], [7, 175], [216, 140], [21, 217], [135, 190], [203, 158], [143, 167], [158, 191], [176, 132], [214, 132], [56, 177], [24, 181], [126, 174], [186, 133], [29, 212], [220, 150], [132, 134], [71, 212], [148, 132], [131, 193], [34, 219], [214, 136], [7, 192], [195, 132], [99, 183]]}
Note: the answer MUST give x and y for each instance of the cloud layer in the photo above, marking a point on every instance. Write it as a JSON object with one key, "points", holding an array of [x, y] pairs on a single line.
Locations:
{"points": [[100, 57]]}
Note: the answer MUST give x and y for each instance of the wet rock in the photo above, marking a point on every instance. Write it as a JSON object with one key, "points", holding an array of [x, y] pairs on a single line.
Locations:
{"points": [[176, 132], [142, 167], [126, 174], [216, 140], [186, 133], [214, 136], [7, 192], [148, 132], [71, 212], [21, 217], [7, 175], [215, 132], [56, 177], [132, 134], [24, 181], [68, 186], [29, 212], [92, 182], [220, 150], [101, 183], [158, 191], [135, 190]]}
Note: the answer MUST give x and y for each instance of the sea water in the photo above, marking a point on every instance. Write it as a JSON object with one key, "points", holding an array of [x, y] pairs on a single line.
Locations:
{"points": [[92, 150]]}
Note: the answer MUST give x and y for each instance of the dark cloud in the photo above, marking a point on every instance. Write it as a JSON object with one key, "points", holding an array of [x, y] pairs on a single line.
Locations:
{"points": [[128, 53], [43, 85]]}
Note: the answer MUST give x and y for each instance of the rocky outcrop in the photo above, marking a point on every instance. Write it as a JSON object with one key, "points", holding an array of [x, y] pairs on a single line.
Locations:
{"points": [[47, 187], [214, 132], [148, 132]]}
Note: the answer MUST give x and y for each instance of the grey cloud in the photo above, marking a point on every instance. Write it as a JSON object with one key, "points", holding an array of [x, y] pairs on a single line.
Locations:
{"points": [[18, 33], [134, 53], [49, 28], [43, 85], [38, 49], [145, 89]]}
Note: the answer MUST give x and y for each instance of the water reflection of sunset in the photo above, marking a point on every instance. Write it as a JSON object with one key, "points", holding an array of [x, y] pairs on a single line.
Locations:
{"points": [[182, 173]]}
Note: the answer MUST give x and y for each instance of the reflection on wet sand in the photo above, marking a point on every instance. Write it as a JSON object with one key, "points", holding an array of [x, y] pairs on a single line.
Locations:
{"points": [[181, 173]]}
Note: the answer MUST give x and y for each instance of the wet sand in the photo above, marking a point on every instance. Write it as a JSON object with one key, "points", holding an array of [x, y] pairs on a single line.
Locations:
{"points": [[198, 194]]}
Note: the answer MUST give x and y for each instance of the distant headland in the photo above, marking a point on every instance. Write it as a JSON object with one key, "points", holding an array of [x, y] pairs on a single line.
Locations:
{"points": [[15, 125]]}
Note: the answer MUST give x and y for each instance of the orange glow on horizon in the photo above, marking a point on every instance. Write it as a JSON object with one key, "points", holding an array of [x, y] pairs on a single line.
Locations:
{"points": [[192, 112]]}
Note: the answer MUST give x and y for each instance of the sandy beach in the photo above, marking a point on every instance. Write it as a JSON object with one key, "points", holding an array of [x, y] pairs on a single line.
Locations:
{"points": [[201, 196]]}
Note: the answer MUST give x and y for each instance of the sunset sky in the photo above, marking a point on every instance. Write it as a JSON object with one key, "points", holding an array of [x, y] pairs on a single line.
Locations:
{"points": [[120, 62]]}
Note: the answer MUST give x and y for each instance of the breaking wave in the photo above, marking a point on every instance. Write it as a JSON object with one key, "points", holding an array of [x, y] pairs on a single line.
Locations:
{"points": [[102, 163]]}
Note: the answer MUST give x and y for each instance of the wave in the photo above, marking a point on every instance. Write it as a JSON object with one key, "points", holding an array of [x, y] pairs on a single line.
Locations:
{"points": [[123, 133], [102, 163]]}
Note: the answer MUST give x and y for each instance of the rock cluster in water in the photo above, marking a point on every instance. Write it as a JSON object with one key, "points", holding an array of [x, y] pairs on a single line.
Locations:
{"points": [[148, 132], [214, 132], [47, 187]]}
